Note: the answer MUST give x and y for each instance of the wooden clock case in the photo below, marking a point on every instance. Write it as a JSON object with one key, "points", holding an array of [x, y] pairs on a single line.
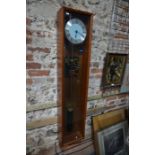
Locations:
{"points": [[73, 88]]}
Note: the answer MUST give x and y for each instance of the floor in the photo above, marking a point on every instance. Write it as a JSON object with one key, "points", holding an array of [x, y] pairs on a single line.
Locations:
{"points": [[85, 149]]}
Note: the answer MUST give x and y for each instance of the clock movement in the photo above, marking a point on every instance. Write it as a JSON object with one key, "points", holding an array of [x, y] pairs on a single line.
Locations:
{"points": [[74, 47]]}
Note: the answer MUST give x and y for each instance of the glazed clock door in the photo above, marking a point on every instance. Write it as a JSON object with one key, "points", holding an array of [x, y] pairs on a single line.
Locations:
{"points": [[75, 66], [73, 97]]}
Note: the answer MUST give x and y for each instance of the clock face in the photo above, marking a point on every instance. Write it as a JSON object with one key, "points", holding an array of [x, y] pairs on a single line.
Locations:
{"points": [[75, 31]]}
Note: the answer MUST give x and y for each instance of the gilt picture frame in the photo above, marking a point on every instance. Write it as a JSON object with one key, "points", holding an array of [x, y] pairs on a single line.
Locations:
{"points": [[112, 140], [113, 69], [125, 82]]}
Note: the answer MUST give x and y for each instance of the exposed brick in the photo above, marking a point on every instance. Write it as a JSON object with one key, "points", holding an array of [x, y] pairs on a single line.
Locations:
{"points": [[28, 21], [49, 34], [110, 107], [122, 104], [121, 36], [38, 72], [47, 151], [51, 65], [122, 96], [41, 27], [126, 9], [29, 81], [28, 40], [123, 100], [29, 57], [95, 70], [96, 64], [98, 76], [41, 34], [111, 98], [98, 92], [33, 49], [111, 103], [124, 25], [28, 32], [33, 65]]}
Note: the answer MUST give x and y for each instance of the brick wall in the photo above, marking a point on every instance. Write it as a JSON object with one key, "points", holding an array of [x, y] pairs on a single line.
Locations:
{"points": [[110, 34]]}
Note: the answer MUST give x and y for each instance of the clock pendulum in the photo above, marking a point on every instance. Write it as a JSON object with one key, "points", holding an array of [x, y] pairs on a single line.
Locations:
{"points": [[70, 109], [74, 45]]}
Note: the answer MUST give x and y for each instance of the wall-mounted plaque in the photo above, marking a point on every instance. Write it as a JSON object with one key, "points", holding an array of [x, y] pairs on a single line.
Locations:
{"points": [[114, 69], [125, 82]]}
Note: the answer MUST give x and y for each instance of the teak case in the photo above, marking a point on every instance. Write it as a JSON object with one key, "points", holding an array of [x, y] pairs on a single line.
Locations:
{"points": [[73, 76]]}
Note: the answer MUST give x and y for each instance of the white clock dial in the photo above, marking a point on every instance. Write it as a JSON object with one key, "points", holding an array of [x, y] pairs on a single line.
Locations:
{"points": [[75, 31]]}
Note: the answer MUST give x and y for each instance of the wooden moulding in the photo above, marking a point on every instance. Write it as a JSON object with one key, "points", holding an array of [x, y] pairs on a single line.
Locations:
{"points": [[40, 106], [41, 123], [105, 120], [53, 120], [53, 105]]}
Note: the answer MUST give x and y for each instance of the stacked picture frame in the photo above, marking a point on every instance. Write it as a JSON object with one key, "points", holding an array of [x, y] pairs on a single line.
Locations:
{"points": [[111, 133], [114, 140]]}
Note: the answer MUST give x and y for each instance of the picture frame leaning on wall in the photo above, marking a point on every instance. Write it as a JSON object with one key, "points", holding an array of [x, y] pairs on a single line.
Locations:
{"points": [[113, 140]]}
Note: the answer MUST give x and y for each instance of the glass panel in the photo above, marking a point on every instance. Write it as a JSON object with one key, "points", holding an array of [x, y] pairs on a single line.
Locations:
{"points": [[74, 77], [72, 94]]}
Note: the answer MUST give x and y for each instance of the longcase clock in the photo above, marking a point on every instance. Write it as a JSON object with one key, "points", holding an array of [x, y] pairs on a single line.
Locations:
{"points": [[74, 47]]}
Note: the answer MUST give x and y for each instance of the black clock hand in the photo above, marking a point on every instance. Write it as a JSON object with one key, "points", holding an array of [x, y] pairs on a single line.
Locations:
{"points": [[80, 34], [76, 33]]}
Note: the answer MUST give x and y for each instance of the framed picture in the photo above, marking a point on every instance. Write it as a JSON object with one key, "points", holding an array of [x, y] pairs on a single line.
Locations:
{"points": [[125, 82], [114, 69], [112, 140]]}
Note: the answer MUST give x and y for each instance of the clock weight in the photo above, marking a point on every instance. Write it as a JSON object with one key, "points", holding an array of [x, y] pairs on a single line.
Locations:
{"points": [[69, 117]]}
